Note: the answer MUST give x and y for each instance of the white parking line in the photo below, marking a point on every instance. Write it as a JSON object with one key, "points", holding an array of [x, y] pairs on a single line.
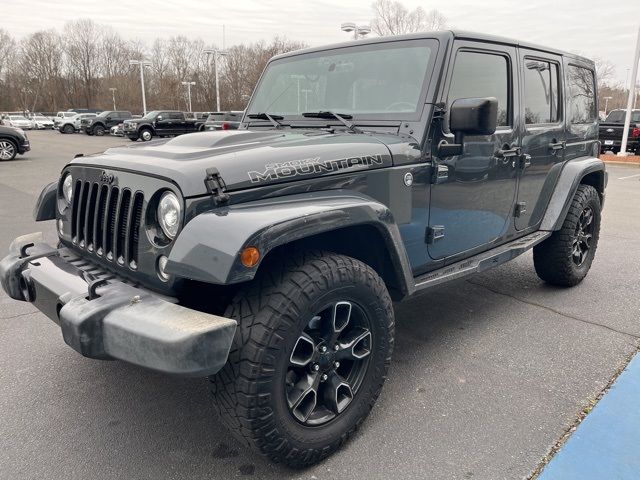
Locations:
{"points": [[630, 176]]}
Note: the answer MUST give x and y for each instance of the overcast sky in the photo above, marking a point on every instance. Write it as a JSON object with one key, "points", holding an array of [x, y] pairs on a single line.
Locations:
{"points": [[599, 28]]}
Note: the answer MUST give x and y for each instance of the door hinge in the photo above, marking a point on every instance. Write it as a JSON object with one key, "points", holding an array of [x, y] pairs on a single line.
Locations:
{"points": [[521, 209], [216, 186], [434, 234]]}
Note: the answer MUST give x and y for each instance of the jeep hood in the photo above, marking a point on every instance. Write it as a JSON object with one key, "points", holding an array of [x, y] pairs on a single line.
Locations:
{"points": [[246, 158]]}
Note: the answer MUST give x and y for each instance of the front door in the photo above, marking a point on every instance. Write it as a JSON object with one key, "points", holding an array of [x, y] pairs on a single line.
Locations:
{"points": [[473, 196], [543, 135]]}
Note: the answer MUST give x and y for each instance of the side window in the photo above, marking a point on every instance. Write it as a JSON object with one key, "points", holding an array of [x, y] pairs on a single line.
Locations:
{"points": [[482, 75], [176, 116], [541, 99], [582, 100]]}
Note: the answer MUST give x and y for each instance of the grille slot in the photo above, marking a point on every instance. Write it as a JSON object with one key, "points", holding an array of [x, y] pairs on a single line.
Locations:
{"points": [[106, 220]]}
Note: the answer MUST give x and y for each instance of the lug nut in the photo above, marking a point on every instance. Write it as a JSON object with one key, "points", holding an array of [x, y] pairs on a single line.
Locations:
{"points": [[336, 347], [323, 348], [316, 367], [337, 364], [324, 377]]}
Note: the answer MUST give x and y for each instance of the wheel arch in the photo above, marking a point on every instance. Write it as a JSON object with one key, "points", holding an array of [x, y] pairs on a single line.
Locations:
{"points": [[346, 223], [583, 170]]}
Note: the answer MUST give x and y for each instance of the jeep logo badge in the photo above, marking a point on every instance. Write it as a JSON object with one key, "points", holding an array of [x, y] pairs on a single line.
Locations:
{"points": [[106, 177]]}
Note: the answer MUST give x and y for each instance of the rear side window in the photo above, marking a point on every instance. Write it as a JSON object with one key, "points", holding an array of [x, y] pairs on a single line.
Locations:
{"points": [[541, 99], [582, 99], [176, 116], [482, 75]]}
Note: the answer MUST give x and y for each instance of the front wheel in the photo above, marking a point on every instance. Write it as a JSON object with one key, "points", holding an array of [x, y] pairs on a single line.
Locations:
{"points": [[98, 130], [68, 129], [310, 356], [564, 259], [8, 149]]}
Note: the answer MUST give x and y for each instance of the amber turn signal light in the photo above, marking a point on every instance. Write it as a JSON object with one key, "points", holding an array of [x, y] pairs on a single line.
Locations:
{"points": [[250, 256]]}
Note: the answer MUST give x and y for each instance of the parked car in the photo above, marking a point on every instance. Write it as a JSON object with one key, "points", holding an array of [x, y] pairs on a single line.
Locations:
{"points": [[161, 123], [101, 124], [61, 116], [612, 128], [117, 130], [223, 120], [13, 141], [97, 111], [269, 257], [41, 122], [18, 121], [74, 124]]}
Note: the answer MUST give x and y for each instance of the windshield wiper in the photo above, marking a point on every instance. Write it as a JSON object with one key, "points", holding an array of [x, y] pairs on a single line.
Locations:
{"points": [[329, 114], [265, 116]]}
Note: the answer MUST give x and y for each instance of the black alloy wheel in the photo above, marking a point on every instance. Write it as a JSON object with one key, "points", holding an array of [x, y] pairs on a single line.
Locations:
{"points": [[328, 363], [583, 236]]}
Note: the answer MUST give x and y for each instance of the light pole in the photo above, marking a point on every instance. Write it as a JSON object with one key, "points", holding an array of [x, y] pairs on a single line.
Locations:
{"points": [[188, 84], [606, 104], [358, 30], [113, 95], [216, 57], [632, 93], [142, 63]]}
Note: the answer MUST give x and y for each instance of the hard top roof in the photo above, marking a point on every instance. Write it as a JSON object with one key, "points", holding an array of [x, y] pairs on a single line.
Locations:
{"points": [[443, 36]]}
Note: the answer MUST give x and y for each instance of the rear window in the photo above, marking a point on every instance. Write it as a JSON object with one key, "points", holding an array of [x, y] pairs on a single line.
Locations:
{"points": [[582, 99]]}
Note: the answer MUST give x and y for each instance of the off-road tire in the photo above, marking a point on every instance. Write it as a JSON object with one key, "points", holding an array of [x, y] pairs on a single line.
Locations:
{"points": [[98, 130], [272, 311], [68, 128], [553, 258]]}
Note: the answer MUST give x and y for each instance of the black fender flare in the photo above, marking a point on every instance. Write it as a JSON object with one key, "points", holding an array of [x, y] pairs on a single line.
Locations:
{"points": [[45, 207], [208, 248], [571, 176]]}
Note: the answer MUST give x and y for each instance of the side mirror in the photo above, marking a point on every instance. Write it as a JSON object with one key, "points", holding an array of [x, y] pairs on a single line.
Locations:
{"points": [[108, 119], [159, 117], [469, 116]]}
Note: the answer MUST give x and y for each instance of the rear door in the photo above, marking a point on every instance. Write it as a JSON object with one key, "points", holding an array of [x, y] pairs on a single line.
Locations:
{"points": [[472, 201], [543, 135], [164, 124]]}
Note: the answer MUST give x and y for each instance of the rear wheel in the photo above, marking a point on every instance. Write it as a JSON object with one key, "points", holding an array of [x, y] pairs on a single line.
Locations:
{"points": [[98, 130], [565, 258], [8, 149], [310, 356]]}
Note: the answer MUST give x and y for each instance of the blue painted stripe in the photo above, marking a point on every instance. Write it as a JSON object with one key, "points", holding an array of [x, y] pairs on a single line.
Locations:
{"points": [[606, 445]]}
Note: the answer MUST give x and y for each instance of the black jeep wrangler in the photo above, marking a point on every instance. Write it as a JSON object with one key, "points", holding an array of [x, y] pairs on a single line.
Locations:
{"points": [[268, 257]]}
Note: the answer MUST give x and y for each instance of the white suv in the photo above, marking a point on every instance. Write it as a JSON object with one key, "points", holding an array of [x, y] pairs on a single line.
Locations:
{"points": [[72, 124], [61, 116]]}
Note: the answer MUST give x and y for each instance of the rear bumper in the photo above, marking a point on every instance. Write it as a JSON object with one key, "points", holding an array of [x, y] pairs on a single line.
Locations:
{"points": [[108, 319]]}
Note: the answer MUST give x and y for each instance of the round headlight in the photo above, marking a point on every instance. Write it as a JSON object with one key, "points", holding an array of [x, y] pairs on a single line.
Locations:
{"points": [[169, 212], [67, 188]]}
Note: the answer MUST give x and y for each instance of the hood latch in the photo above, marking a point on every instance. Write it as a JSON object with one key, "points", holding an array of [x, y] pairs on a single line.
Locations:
{"points": [[216, 186]]}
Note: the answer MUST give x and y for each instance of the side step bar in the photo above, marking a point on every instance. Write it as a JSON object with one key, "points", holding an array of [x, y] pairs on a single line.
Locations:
{"points": [[481, 262]]}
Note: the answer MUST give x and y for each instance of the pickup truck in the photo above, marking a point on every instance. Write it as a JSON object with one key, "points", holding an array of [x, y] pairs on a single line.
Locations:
{"points": [[160, 123], [611, 130]]}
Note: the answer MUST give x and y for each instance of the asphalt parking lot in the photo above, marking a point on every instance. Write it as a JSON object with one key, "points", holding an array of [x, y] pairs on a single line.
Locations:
{"points": [[487, 374]]}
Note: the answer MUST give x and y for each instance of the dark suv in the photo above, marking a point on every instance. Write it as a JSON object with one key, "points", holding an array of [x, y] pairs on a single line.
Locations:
{"points": [[268, 257], [102, 124]]}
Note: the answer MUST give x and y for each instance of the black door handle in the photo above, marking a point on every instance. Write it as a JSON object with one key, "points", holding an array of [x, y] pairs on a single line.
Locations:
{"points": [[506, 153], [557, 145]]}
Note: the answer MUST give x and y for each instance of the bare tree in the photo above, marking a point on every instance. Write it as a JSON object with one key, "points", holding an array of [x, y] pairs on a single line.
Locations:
{"points": [[393, 18], [83, 42], [604, 70]]}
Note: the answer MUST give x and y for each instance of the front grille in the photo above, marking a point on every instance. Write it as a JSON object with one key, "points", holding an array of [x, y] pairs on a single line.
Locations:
{"points": [[105, 220]]}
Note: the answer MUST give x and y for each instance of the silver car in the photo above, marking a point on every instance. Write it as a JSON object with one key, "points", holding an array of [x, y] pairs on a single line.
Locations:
{"points": [[18, 121]]}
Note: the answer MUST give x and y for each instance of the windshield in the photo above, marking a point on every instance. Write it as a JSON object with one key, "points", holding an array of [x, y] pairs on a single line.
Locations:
{"points": [[361, 80], [617, 116], [151, 115]]}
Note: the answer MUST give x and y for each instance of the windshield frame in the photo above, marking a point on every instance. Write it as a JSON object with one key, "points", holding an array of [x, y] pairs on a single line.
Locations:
{"points": [[356, 118]]}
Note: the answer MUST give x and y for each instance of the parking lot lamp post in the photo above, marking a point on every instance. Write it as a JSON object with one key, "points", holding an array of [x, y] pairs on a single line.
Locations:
{"points": [[216, 57], [606, 104], [358, 30], [188, 84], [113, 96], [142, 63]]}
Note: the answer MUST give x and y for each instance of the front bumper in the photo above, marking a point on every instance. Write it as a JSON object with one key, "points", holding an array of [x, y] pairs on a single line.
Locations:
{"points": [[101, 317]]}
